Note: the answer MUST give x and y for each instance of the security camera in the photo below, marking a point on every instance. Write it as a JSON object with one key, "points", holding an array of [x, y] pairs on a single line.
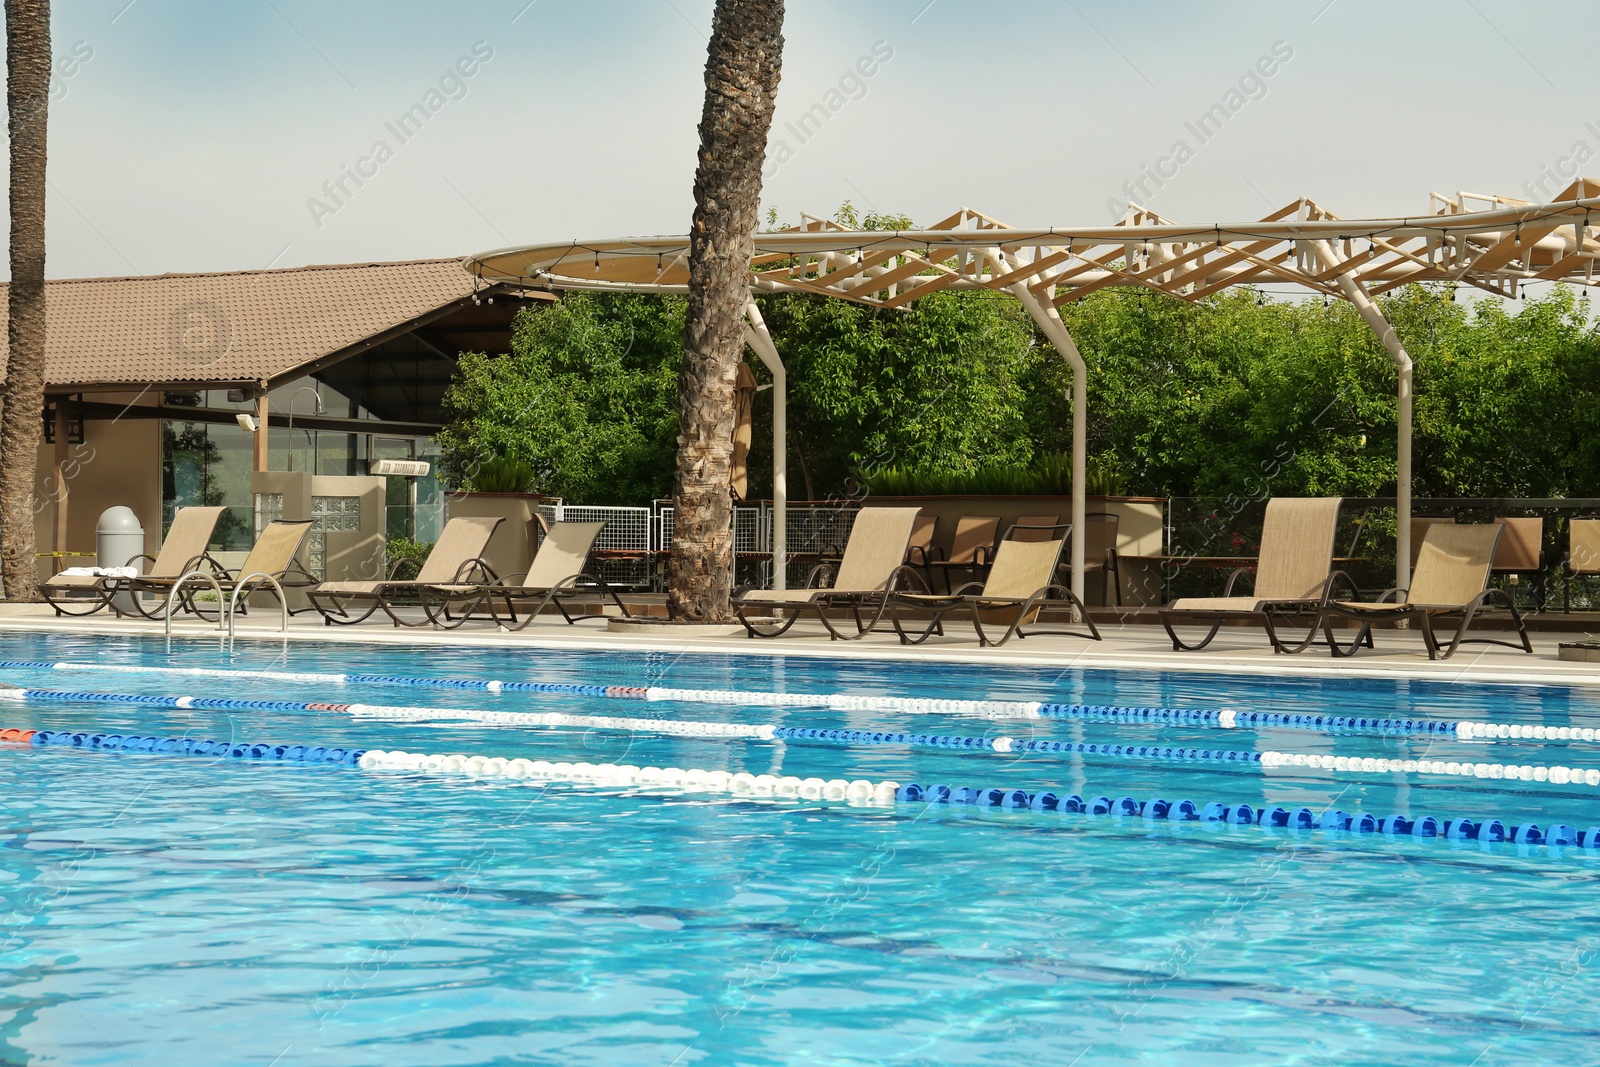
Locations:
{"points": [[247, 423]]}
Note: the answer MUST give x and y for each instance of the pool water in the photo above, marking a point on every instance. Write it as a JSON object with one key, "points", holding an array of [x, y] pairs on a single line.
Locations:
{"points": [[167, 909]]}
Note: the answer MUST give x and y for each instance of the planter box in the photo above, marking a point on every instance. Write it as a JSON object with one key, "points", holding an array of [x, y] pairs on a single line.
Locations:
{"points": [[511, 548]]}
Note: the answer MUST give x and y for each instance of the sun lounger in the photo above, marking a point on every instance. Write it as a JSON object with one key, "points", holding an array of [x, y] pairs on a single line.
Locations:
{"points": [[1294, 573], [1583, 555], [559, 573], [273, 555], [1450, 584], [971, 548], [1036, 528], [1021, 585], [455, 569], [873, 566], [183, 550]]}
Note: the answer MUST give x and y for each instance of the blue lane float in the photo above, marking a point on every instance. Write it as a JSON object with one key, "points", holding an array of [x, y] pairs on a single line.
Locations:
{"points": [[193, 746], [1044, 802], [1333, 821], [1224, 719], [1267, 760]]}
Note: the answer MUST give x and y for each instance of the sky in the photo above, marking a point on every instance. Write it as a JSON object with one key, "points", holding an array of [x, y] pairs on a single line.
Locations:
{"points": [[199, 136]]}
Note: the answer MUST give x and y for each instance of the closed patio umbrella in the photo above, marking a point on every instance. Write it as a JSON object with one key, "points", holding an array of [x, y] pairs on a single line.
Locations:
{"points": [[744, 393]]}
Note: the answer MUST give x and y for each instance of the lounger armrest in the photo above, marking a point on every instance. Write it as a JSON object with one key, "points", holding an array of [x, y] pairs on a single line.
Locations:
{"points": [[1227, 590], [194, 563], [294, 570], [983, 555], [1334, 580], [897, 579], [464, 573], [969, 589], [140, 556], [818, 573], [394, 569], [913, 552], [1397, 593]]}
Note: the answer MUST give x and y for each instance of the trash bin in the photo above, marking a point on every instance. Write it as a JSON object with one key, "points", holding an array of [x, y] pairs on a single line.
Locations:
{"points": [[117, 539]]}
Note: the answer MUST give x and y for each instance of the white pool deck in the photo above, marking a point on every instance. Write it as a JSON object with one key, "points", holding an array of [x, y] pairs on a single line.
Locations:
{"points": [[1236, 651]]}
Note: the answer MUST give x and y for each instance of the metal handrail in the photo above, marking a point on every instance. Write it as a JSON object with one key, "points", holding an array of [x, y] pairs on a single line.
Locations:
{"points": [[233, 601], [178, 587]]}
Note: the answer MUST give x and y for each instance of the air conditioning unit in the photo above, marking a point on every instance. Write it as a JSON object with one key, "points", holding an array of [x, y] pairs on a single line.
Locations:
{"points": [[404, 468]]}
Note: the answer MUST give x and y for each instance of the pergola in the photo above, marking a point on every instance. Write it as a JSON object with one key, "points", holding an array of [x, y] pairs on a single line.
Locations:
{"points": [[1497, 244]]}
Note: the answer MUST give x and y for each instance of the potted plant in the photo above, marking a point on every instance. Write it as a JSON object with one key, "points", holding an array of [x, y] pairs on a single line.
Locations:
{"points": [[503, 488]]}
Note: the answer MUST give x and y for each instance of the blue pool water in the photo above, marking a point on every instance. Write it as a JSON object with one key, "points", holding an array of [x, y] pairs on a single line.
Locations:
{"points": [[176, 910]]}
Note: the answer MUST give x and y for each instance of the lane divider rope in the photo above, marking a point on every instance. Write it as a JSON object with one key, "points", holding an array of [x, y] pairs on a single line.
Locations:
{"points": [[997, 709], [884, 793], [767, 731]]}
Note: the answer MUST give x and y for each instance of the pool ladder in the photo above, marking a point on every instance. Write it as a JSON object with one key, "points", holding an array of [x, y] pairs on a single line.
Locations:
{"points": [[228, 606]]}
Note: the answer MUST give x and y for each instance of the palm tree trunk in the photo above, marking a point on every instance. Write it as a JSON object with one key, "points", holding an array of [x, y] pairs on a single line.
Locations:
{"points": [[22, 422], [743, 63]]}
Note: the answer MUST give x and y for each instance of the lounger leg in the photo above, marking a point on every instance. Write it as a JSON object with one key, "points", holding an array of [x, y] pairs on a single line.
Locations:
{"points": [[907, 639], [752, 630], [1364, 635], [343, 618], [1178, 645], [1278, 645]]}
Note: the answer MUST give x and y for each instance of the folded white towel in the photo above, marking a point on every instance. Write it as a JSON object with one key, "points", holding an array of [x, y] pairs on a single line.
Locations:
{"points": [[101, 572]]}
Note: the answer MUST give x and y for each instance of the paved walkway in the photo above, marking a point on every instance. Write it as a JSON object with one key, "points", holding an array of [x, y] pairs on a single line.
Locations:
{"points": [[1134, 647]]}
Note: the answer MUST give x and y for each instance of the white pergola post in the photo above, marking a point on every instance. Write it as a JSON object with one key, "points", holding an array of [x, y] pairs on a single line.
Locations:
{"points": [[1044, 313], [1356, 293], [757, 337]]}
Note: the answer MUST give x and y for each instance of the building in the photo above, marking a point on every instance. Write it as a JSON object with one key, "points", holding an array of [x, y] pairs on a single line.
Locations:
{"points": [[180, 389]]}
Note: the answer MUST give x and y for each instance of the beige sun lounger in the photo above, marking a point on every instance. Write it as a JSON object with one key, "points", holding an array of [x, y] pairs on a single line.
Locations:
{"points": [[1021, 584], [273, 556], [454, 570], [559, 573], [873, 565], [971, 548], [1294, 572], [183, 550], [1450, 584]]}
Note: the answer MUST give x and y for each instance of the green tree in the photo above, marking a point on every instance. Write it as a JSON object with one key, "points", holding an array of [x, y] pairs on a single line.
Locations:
{"points": [[939, 385], [743, 64], [21, 425], [587, 396]]}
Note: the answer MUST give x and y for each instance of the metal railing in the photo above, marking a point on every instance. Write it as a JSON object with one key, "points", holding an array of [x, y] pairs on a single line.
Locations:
{"points": [[227, 606]]}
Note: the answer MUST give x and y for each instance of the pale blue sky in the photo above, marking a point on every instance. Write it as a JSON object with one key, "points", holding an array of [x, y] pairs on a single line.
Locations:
{"points": [[197, 133]]}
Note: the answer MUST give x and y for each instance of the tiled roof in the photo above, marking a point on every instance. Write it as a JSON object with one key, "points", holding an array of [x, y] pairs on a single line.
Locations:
{"points": [[240, 326]]}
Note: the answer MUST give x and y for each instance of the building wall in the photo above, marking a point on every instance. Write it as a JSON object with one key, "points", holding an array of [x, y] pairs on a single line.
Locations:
{"points": [[119, 462]]}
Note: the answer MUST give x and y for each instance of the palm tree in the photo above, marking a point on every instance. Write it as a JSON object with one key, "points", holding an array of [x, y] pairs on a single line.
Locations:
{"points": [[743, 64], [22, 423]]}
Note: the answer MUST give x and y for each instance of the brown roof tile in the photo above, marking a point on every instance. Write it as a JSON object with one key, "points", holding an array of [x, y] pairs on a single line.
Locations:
{"points": [[239, 326]]}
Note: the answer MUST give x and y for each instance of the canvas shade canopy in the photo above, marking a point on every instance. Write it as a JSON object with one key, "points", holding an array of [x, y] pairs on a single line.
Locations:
{"points": [[1497, 244]]}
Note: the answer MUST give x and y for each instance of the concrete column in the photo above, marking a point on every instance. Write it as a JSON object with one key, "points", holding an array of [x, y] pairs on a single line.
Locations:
{"points": [[1049, 319], [262, 454], [58, 538], [757, 337], [1357, 295]]}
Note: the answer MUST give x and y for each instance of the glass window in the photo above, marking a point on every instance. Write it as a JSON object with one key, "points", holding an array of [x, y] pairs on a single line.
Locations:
{"points": [[206, 466]]}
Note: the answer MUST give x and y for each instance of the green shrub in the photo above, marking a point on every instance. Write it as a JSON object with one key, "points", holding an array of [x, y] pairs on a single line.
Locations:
{"points": [[503, 475], [413, 552], [1048, 475]]}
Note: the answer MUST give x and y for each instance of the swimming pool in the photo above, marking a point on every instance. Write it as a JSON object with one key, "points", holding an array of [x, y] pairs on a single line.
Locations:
{"points": [[164, 908]]}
